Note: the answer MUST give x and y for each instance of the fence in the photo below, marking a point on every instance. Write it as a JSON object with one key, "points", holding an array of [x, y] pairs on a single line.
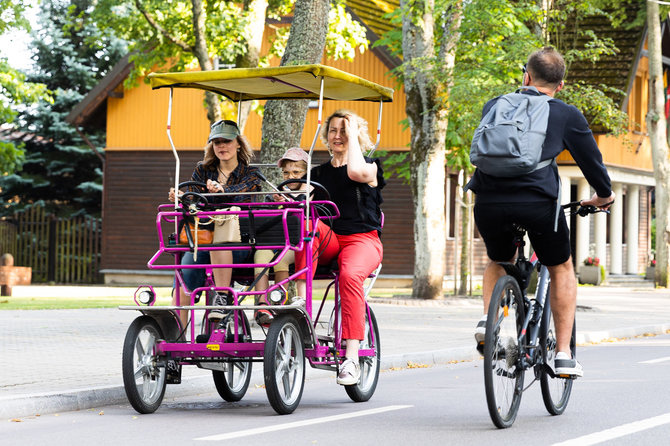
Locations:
{"points": [[57, 250]]}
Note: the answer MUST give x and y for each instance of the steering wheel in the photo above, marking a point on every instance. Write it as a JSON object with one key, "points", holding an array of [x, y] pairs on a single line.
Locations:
{"points": [[189, 198], [319, 189]]}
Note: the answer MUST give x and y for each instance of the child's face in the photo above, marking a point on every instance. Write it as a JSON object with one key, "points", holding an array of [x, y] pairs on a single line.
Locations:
{"points": [[293, 170]]}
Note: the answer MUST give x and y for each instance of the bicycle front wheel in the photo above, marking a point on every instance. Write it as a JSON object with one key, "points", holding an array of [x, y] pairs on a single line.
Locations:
{"points": [[503, 374], [556, 390]]}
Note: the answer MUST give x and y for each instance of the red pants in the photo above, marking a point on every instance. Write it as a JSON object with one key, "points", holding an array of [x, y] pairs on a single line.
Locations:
{"points": [[357, 256]]}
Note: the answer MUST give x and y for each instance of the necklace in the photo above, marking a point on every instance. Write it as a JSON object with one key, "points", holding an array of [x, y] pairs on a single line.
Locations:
{"points": [[223, 174]]}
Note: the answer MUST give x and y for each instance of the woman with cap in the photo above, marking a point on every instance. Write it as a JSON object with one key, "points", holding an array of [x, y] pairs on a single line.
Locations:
{"points": [[224, 168], [293, 165], [354, 183]]}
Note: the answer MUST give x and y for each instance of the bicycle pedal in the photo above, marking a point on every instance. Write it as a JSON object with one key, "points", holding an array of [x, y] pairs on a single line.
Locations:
{"points": [[480, 348]]}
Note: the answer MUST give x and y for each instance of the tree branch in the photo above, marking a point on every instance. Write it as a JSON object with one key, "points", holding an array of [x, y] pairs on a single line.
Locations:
{"points": [[181, 44]]}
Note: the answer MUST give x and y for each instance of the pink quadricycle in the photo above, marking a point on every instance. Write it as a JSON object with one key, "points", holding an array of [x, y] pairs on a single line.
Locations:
{"points": [[158, 344]]}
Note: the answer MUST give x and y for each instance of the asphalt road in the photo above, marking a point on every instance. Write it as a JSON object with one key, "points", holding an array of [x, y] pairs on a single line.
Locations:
{"points": [[622, 399]]}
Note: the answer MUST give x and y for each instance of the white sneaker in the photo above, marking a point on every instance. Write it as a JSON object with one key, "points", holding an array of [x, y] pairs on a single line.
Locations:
{"points": [[564, 365], [350, 373]]}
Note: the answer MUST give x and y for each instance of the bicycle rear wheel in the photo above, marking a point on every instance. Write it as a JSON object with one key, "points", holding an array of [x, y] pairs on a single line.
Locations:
{"points": [[556, 390], [503, 375]]}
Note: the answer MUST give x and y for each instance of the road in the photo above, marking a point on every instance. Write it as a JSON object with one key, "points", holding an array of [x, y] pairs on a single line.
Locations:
{"points": [[622, 399]]}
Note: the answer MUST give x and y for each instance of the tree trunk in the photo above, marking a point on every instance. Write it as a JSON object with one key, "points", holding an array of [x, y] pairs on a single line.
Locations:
{"points": [[200, 52], [255, 32], [657, 129], [284, 120], [427, 115], [466, 239]]}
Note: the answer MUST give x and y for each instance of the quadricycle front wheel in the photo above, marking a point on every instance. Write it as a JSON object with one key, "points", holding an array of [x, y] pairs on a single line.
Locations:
{"points": [[144, 372], [284, 364], [503, 374]]}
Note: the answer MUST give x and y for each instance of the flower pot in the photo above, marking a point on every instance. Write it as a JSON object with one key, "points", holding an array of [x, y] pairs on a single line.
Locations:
{"points": [[589, 274], [650, 273]]}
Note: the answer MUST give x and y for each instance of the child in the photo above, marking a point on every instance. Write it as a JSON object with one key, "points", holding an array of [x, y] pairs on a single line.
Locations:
{"points": [[294, 166]]}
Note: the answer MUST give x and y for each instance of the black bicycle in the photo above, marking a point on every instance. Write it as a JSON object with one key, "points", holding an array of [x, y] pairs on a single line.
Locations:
{"points": [[520, 335]]}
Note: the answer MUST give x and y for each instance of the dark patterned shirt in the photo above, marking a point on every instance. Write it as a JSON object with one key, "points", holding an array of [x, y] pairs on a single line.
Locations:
{"points": [[242, 179]]}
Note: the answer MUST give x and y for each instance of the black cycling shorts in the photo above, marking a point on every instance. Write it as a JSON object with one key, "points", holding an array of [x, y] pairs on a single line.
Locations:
{"points": [[494, 222]]}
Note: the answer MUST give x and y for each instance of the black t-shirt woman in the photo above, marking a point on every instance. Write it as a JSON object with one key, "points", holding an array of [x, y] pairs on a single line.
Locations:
{"points": [[354, 183]]}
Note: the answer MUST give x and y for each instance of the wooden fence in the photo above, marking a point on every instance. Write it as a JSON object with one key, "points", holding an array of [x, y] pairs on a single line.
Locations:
{"points": [[57, 250]]}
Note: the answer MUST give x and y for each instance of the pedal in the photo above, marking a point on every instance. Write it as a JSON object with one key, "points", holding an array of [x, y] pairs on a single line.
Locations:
{"points": [[480, 348], [172, 372]]}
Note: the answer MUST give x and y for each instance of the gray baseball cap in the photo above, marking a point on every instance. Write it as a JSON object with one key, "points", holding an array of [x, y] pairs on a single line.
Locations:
{"points": [[223, 129]]}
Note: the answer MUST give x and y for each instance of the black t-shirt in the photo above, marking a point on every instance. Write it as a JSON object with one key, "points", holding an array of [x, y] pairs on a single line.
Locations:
{"points": [[567, 129], [358, 203]]}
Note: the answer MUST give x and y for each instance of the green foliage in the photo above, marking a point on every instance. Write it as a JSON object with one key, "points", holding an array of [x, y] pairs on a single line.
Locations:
{"points": [[596, 105], [15, 92], [496, 38], [60, 171], [12, 16], [224, 32]]}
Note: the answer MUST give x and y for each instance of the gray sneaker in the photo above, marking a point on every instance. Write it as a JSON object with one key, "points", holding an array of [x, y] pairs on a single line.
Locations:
{"points": [[297, 300], [480, 333], [564, 366], [350, 373], [217, 315]]}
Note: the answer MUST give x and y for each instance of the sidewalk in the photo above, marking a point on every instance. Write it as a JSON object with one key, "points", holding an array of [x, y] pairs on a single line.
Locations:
{"points": [[62, 360]]}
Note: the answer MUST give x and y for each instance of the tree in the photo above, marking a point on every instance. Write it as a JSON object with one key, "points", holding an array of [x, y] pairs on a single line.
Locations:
{"points": [[15, 91], [60, 171], [305, 45], [430, 32], [496, 37], [657, 128], [177, 34]]}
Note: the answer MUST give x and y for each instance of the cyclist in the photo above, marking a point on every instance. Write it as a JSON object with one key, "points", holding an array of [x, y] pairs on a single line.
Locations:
{"points": [[530, 200]]}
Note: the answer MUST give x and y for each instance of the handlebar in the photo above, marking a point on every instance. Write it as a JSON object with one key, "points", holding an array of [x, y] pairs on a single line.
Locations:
{"points": [[577, 208]]}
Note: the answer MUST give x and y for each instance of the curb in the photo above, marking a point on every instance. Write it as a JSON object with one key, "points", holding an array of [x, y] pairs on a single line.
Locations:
{"points": [[87, 398]]}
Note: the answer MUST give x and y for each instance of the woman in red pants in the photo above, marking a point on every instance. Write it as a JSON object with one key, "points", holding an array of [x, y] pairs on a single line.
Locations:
{"points": [[354, 183]]}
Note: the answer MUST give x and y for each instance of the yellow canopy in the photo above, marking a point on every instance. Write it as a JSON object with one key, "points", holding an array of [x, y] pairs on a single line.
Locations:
{"points": [[291, 82]]}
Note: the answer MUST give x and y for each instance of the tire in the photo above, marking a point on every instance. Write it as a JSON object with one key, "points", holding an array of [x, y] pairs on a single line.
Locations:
{"points": [[503, 374], [555, 391], [284, 364], [370, 365], [143, 379], [232, 384]]}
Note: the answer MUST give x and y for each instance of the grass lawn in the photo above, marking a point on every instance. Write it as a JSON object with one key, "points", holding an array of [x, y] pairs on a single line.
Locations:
{"points": [[36, 297]]}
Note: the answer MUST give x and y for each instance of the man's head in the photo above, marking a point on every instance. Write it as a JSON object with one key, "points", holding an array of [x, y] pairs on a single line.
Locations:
{"points": [[545, 68]]}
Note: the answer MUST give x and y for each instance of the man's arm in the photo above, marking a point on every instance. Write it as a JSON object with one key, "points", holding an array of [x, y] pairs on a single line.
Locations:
{"points": [[579, 141]]}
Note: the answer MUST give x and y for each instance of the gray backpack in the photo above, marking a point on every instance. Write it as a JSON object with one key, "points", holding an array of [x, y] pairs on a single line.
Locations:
{"points": [[509, 139]]}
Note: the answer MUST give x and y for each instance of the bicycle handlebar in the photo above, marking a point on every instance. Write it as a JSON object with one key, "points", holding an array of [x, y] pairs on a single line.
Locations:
{"points": [[577, 208]]}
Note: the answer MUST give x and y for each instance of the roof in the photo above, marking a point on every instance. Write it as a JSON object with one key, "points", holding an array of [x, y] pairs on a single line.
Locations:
{"points": [[616, 70], [287, 82], [87, 106]]}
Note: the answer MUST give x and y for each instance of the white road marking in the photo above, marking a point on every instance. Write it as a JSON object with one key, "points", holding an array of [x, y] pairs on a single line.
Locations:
{"points": [[279, 427], [654, 361], [617, 432]]}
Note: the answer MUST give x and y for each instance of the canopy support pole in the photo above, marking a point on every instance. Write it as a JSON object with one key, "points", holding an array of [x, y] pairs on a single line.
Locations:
{"points": [[379, 129]]}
